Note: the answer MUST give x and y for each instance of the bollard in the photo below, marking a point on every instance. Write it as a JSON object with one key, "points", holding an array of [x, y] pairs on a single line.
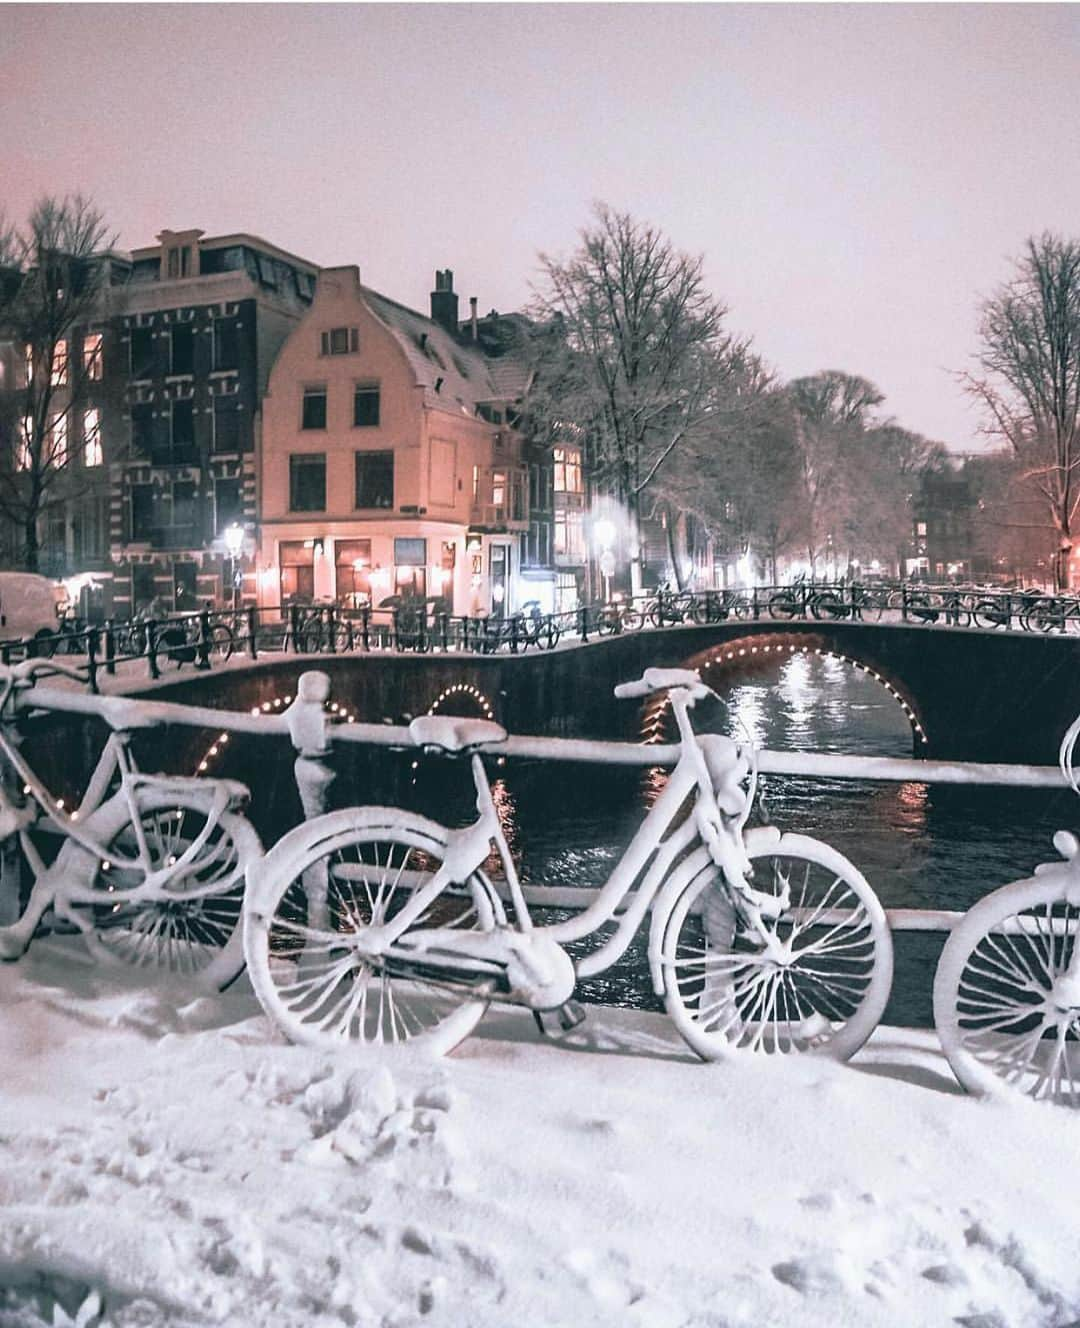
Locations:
{"points": [[308, 730]]}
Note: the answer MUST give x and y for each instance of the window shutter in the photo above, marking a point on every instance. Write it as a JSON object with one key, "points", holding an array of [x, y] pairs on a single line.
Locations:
{"points": [[354, 339], [326, 343]]}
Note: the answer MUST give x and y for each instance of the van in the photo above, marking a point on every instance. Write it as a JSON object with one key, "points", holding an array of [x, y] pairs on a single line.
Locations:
{"points": [[28, 606]]}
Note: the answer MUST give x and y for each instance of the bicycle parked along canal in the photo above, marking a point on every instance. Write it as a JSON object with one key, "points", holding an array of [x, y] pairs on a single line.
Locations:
{"points": [[374, 925], [150, 868], [1007, 986]]}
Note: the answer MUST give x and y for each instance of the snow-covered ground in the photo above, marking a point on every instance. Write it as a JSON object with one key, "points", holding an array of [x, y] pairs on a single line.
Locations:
{"points": [[168, 1161]]}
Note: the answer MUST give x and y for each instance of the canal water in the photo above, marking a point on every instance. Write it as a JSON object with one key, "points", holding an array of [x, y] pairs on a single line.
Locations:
{"points": [[919, 846]]}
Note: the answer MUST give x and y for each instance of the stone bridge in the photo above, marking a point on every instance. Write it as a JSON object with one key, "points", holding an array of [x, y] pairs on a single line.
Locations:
{"points": [[969, 694]]}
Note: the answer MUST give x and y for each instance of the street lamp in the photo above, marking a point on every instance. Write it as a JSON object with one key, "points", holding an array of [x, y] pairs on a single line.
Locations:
{"points": [[234, 542], [604, 534]]}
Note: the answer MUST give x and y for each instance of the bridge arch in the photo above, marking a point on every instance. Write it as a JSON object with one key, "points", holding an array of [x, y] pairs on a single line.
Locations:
{"points": [[755, 653]]}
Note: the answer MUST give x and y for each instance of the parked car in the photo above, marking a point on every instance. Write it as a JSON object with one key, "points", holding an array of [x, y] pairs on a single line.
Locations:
{"points": [[28, 607]]}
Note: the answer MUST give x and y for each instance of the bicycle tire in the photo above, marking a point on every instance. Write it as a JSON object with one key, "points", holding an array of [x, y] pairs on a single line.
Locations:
{"points": [[783, 606], [828, 606], [195, 934], [222, 643], [987, 613], [324, 1002], [632, 620], [743, 608], [720, 994], [994, 991]]}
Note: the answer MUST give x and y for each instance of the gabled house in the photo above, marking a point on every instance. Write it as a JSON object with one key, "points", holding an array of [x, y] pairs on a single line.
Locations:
{"points": [[389, 464]]}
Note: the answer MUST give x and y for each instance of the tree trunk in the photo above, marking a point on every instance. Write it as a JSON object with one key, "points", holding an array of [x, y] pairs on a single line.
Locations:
{"points": [[31, 549]]}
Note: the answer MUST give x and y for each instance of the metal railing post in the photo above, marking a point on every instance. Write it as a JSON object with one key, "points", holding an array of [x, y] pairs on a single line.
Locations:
{"points": [[583, 622], [294, 627], [91, 658], [365, 627], [202, 646], [253, 630], [151, 648], [444, 630], [110, 648], [331, 623]]}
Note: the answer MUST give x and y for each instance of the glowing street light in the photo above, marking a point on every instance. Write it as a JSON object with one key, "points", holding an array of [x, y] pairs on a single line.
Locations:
{"points": [[234, 542]]}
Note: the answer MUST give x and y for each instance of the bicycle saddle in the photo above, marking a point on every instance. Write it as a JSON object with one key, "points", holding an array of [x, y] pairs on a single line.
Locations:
{"points": [[452, 733], [659, 680]]}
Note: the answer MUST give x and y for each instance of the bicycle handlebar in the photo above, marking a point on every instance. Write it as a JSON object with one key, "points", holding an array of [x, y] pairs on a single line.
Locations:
{"points": [[30, 668]]}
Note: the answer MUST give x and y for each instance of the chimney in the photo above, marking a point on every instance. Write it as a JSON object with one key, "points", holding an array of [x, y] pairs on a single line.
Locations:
{"points": [[472, 318], [444, 303]]}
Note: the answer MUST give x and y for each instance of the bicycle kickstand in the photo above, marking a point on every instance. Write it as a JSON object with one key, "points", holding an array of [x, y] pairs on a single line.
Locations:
{"points": [[569, 1015]]}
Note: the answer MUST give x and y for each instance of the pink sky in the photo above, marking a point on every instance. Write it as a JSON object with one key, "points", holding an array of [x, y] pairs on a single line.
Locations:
{"points": [[856, 176]]}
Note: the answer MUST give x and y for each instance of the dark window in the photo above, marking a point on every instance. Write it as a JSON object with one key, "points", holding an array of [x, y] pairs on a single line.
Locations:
{"points": [[226, 504], [226, 344], [184, 586], [226, 425], [142, 428], [142, 585], [183, 504], [340, 341], [314, 415], [183, 430], [366, 405], [374, 479], [142, 352], [307, 482], [183, 350], [142, 511], [267, 270]]}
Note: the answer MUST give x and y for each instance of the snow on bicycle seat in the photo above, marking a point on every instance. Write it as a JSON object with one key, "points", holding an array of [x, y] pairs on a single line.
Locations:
{"points": [[452, 733], [659, 680]]}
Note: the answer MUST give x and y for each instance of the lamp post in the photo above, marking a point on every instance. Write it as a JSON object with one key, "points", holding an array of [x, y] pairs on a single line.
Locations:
{"points": [[604, 534], [234, 542]]}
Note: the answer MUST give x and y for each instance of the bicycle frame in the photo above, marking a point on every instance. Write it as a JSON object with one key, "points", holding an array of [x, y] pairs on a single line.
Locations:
{"points": [[660, 834]]}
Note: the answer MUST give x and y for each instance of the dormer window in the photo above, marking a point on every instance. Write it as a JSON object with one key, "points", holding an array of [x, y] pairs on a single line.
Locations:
{"points": [[340, 341], [178, 261]]}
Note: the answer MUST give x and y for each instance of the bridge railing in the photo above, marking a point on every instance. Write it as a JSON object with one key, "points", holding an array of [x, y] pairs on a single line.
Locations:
{"points": [[315, 729], [207, 638]]}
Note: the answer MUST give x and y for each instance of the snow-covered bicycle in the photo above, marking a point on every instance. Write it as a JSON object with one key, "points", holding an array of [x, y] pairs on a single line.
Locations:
{"points": [[373, 925], [1007, 986], [150, 869]]}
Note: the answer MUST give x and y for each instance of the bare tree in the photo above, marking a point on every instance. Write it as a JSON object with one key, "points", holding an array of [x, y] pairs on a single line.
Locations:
{"points": [[52, 283], [829, 413], [1030, 379], [639, 347]]}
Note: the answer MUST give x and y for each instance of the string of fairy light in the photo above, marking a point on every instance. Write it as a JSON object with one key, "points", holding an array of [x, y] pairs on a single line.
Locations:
{"points": [[655, 716], [337, 712]]}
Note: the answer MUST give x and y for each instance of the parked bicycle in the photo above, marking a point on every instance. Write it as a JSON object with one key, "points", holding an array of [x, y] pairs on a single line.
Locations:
{"points": [[150, 869], [1007, 986], [374, 925], [711, 606], [669, 607]]}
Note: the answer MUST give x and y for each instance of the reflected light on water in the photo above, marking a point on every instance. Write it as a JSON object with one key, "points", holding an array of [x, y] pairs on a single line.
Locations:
{"points": [[747, 713]]}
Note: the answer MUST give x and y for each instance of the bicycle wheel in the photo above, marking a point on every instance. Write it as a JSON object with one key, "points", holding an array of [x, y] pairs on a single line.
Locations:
{"points": [[319, 890], [817, 981], [632, 620], [1006, 1011], [221, 643], [192, 932], [989, 613], [783, 606], [743, 608], [828, 605], [869, 605]]}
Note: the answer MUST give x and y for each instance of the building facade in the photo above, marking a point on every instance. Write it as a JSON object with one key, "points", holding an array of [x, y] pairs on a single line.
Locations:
{"points": [[390, 468]]}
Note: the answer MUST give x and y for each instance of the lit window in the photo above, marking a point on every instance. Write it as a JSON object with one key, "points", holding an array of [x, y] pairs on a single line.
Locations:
{"points": [[570, 535], [920, 528], [567, 470], [498, 488], [91, 351], [60, 364], [24, 455], [58, 441], [29, 365], [92, 453]]}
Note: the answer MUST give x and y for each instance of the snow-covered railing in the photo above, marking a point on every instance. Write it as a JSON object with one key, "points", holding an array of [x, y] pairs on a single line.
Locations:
{"points": [[313, 732]]}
